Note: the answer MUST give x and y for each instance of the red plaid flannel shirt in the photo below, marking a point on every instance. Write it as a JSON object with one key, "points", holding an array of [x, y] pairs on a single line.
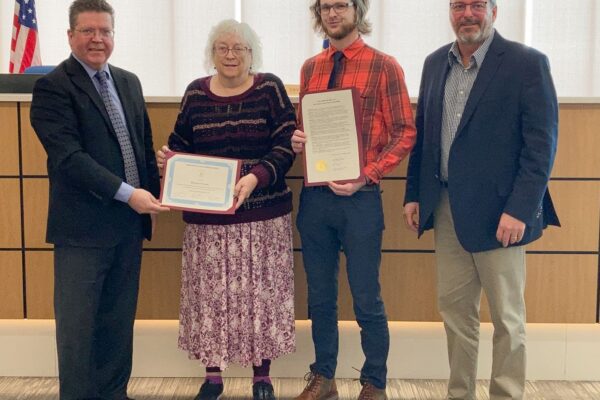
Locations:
{"points": [[388, 128]]}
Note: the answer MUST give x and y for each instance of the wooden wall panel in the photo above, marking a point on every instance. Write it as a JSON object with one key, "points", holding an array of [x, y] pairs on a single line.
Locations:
{"points": [[35, 209], [34, 155], [39, 275], [11, 285], [296, 187], [300, 291], [578, 142], [162, 118], [168, 233], [297, 168], [10, 213], [9, 162], [560, 288], [578, 206], [159, 285], [396, 235], [407, 286]]}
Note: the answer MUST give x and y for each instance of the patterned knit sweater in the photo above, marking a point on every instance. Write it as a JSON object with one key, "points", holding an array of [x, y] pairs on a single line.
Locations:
{"points": [[255, 127]]}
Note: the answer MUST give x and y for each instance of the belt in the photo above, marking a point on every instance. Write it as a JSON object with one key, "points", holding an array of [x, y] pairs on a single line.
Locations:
{"points": [[444, 184], [325, 188]]}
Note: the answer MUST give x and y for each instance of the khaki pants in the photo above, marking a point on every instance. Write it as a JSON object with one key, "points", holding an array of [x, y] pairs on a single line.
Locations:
{"points": [[460, 277]]}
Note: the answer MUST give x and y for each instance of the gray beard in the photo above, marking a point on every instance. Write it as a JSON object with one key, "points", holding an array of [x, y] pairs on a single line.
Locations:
{"points": [[476, 39]]}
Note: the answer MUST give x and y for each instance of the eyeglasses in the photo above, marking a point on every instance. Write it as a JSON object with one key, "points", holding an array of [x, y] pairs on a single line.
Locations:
{"points": [[339, 8], [237, 51], [476, 7], [89, 32]]}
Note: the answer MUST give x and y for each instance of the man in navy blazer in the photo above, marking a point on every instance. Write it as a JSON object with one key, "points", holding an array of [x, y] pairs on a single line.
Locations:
{"points": [[487, 120], [103, 182]]}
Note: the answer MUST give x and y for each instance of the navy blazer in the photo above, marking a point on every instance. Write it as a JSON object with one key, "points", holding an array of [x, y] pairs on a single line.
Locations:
{"points": [[85, 165], [503, 151]]}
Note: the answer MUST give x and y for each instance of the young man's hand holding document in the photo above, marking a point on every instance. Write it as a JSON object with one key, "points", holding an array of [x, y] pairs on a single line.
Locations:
{"points": [[333, 151], [193, 182]]}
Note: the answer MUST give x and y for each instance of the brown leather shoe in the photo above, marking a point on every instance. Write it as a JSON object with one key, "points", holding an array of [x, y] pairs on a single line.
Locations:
{"points": [[318, 388], [370, 392]]}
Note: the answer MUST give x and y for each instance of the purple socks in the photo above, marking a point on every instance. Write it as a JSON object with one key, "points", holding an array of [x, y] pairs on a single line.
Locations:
{"points": [[214, 379], [261, 373]]}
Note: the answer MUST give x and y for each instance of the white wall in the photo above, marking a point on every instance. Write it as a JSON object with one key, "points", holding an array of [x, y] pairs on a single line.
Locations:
{"points": [[163, 40]]}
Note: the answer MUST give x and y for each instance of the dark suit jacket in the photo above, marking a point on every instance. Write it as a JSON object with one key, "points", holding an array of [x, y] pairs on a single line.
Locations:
{"points": [[85, 165], [503, 151]]}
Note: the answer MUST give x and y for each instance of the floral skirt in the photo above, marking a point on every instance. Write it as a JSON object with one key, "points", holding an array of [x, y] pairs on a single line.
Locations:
{"points": [[237, 292]]}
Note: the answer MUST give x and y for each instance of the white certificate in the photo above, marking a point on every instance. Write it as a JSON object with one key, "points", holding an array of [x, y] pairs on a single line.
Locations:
{"points": [[333, 151], [199, 183]]}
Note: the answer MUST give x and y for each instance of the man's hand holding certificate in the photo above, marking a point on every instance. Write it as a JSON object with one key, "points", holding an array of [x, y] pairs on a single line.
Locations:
{"points": [[200, 183], [333, 151]]}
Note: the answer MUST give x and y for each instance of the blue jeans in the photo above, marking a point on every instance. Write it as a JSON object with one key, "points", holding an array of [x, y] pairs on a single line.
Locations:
{"points": [[326, 223]]}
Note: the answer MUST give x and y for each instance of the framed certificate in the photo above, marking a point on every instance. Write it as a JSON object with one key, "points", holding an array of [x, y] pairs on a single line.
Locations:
{"points": [[193, 182], [333, 151]]}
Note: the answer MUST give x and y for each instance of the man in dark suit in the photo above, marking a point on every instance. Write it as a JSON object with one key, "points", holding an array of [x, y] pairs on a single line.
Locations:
{"points": [[486, 141], [92, 121]]}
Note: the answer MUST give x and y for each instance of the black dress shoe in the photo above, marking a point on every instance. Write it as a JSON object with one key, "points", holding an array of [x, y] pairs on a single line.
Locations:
{"points": [[263, 391], [209, 391]]}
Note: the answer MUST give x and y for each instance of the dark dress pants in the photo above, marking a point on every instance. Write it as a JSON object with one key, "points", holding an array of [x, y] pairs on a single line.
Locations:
{"points": [[95, 298], [326, 223]]}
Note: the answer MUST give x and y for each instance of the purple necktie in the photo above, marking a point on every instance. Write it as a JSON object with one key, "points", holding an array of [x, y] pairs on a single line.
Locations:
{"points": [[131, 172]]}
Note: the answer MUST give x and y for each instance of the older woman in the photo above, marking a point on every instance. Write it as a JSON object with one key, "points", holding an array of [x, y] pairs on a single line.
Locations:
{"points": [[237, 300]]}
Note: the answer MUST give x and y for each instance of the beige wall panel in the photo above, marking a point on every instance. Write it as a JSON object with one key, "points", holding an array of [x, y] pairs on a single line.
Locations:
{"points": [[292, 90], [578, 142], [10, 213], [400, 170], [39, 269], [11, 285], [296, 187], [300, 288], [162, 117], [561, 288], [396, 236], [34, 155], [168, 233], [160, 282], [407, 285], [35, 204], [9, 132], [297, 169], [578, 206]]}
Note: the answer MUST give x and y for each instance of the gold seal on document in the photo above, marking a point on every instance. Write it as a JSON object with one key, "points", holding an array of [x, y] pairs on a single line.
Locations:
{"points": [[321, 166]]}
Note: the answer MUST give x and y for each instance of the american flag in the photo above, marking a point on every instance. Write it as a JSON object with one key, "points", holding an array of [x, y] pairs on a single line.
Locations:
{"points": [[25, 44]]}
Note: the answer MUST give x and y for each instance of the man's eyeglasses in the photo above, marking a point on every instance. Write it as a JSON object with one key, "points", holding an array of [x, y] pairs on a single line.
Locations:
{"points": [[339, 8], [89, 32], [237, 51], [476, 7]]}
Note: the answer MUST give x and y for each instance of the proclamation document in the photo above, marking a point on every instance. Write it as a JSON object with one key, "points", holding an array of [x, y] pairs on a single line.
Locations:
{"points": [[199, 183], [333, 151]]}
